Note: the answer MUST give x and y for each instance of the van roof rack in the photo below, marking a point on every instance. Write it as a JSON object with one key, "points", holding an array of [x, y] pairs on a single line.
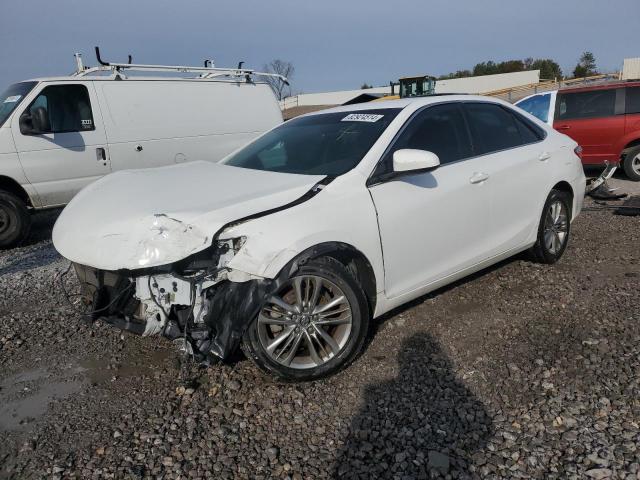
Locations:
{"points": [[206, 71]]}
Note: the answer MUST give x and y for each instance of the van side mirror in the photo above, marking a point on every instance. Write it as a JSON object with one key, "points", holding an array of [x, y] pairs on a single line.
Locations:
{"points": [[414, 161], [36, 122]]}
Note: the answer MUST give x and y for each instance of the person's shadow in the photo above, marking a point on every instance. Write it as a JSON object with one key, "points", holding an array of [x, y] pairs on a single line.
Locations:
{"points": [[423, 424]]}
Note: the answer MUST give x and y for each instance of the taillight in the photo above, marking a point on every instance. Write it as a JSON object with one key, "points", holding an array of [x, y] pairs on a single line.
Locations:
{"points": [[578, 151]]}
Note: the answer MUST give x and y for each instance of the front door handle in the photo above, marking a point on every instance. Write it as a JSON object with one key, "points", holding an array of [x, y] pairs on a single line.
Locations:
{"points": [[544, 156], [563, 127], [478, 177], [101, 154]]}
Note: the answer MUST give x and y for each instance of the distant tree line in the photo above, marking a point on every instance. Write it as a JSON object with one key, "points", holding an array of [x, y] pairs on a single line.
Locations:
{"points": [[549, 68]]}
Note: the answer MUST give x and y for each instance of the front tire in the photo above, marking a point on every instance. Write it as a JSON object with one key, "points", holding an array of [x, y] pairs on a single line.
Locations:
{"points": [[632, 164], [554, 228], [312, 326], [15, 220]]}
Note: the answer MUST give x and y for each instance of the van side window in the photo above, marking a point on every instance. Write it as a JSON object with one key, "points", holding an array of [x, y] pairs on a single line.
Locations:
{"points": [[67, 106], [591, 104], [633, 100]]}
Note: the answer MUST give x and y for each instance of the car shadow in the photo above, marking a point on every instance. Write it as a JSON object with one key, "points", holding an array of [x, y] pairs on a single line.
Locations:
{"points": [[379, 322], [421, 424], [40, 256]]}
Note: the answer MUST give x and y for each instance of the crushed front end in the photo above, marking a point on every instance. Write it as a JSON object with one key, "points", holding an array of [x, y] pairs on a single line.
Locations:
{"points": [[192, 300]]}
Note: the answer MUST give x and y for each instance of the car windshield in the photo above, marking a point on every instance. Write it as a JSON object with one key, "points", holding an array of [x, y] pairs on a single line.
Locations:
{"points": [[325, 144], [11, 97]]}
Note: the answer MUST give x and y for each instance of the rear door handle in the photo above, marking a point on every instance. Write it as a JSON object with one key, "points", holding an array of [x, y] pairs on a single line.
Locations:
{"points": [[544, 156], [478, 177], [101, 154], [563, 127]]}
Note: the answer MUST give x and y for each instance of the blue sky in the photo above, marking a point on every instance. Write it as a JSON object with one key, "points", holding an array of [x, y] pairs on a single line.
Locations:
{"points": [[333, 44]]}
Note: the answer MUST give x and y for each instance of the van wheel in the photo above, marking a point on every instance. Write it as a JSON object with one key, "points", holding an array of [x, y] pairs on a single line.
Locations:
{"points": [[554, 228], [312, 326], [632, 164], [15, 220]]}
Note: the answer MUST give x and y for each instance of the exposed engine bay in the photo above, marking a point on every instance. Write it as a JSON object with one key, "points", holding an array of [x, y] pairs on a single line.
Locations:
{"points": [[192, 300]]}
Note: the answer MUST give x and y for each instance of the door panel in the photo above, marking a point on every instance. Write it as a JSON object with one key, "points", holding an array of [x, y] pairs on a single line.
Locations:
{"points": [[592, 119], [431, 225], [73, 153]]}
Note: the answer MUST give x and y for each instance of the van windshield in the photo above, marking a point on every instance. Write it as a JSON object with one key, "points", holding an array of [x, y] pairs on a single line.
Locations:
{"points": [[325, 144], [11, 97]]}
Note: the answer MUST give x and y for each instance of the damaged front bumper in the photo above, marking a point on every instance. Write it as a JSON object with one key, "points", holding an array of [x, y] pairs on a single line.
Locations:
{"points": [[193, 299]]}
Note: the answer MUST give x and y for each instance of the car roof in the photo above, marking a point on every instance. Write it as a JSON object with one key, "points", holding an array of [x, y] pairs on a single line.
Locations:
{"points": [[414, 103], [601, 86]]}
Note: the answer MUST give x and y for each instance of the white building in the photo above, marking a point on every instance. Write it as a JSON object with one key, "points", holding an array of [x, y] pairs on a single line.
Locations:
{"points": [[482, 84]]}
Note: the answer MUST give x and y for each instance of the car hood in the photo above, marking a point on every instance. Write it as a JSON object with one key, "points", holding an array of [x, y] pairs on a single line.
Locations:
{"points": [[145, 218]]}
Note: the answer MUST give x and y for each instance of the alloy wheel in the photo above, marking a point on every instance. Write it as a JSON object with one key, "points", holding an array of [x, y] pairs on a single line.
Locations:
{"points": [[306, 323], [635, 164], [556, 227]]}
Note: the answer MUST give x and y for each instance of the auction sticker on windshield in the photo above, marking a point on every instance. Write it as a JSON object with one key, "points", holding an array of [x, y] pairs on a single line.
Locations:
{"points": [[362, 117], [13, 99]]}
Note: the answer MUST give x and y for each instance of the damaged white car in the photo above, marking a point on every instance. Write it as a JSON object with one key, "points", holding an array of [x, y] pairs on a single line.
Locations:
{"points": [[291, 245]]}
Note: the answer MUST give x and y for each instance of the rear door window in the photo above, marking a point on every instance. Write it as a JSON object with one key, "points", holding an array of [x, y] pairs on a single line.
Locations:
{"points": [[67, 106], [591, 104], [633, 100], [492, 128], [538, 106]]}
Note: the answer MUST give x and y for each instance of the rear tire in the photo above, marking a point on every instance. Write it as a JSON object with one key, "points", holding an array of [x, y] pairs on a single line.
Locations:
{"points": [[15, 220], [554, 228], [323, 338], [632, 164]]}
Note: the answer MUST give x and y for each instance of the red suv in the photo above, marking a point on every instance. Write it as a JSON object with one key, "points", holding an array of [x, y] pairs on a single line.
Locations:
{"points": [[603, 119]]}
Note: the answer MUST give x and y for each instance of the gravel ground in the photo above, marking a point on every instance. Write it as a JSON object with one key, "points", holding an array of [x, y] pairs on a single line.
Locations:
{"points": [[521, 371]]}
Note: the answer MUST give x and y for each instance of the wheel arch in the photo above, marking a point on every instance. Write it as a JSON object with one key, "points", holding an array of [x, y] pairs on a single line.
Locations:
{"points": [[8, 184], [353, 260], [564, 186], [630, 145]]}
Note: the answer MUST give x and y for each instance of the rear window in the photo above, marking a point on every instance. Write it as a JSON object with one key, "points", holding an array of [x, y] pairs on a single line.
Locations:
{"points": [[591, 104], [633, 100]]}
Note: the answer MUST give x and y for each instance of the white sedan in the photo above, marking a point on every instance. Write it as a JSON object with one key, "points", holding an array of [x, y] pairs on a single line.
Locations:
{"points": [[294, 243]]}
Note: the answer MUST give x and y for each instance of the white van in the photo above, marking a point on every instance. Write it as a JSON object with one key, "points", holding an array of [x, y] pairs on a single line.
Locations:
{"points": [[59, 134]]}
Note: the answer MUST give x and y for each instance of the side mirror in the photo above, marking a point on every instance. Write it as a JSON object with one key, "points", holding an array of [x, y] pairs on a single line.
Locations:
{"points": [[36, 122], [410, 160]]}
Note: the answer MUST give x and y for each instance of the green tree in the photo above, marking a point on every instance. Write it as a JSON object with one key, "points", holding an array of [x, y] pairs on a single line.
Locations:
{"points": [[549, 69], [586, 66]]}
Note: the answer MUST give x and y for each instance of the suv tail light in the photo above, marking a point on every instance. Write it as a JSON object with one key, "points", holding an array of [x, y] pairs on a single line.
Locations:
{"points": [[578, 151]]}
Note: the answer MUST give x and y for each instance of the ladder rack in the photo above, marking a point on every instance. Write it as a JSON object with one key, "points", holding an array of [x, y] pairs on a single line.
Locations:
{"points": [[206, 71]]}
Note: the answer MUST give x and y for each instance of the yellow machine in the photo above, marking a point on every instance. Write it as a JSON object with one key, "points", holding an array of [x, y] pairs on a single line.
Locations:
{"points": [[409, 87]]}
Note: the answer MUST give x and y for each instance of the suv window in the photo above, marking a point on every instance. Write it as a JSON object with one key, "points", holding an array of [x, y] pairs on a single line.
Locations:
{"points": [[492, 128], [633, 100], [67, 106], [538, 106], [591, 104], [439, 129]]}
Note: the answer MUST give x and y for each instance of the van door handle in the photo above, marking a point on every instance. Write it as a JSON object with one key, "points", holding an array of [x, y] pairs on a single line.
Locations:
{"points": [[478, 177], [544, 156], [563, 127], [101, 154]]}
